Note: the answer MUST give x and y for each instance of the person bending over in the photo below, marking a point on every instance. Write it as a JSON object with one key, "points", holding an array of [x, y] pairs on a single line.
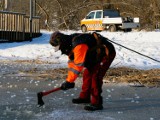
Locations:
{"points": [[91, 52]]}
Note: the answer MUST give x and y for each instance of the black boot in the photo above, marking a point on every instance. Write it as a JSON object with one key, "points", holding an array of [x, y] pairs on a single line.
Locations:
{"points": [[80, 100], [93, 107]]}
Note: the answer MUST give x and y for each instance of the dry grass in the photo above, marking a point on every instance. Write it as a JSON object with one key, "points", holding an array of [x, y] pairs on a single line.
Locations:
{"points": [[148, 78], [34, 61]]}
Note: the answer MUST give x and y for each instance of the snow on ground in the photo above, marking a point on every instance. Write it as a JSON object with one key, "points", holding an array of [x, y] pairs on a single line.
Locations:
{"points": [[146, 43]]}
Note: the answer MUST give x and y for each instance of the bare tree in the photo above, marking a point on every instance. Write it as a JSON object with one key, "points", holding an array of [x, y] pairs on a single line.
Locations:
{"points": [[156, 10], [62, 14], [1, 4]]}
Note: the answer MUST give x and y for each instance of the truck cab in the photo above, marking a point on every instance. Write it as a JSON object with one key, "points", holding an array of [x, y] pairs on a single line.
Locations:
{"points": [[92, 21], [107, 20]]}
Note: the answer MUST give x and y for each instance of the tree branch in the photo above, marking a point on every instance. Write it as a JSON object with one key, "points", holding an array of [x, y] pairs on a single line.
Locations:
{"points": [[46, 14], [64, 21]]}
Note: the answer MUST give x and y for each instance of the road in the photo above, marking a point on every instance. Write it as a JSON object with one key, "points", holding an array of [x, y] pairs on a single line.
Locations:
{"points": [[18, 99]]}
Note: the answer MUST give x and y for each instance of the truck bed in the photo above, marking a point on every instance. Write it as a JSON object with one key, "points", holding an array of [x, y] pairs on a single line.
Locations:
{"points": [[117, 20]]}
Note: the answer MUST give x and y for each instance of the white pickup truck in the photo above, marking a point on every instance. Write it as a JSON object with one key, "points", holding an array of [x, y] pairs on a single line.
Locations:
{"points": [[108, 20]]}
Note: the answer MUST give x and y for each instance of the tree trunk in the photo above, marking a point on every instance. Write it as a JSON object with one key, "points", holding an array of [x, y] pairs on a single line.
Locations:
{"points": [[156, 14]]}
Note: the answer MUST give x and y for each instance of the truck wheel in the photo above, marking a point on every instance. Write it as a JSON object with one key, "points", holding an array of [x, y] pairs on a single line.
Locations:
{"points": [[112, 28], [128, 30], [84, 28]]}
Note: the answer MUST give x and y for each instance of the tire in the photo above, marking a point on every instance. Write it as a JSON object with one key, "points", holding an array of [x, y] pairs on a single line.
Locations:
{"points": [[84, 28], [128, 30], [112, 28]]}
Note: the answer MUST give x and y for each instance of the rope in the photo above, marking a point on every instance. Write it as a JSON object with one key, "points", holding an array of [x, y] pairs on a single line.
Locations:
{"points": [[135, 51]]}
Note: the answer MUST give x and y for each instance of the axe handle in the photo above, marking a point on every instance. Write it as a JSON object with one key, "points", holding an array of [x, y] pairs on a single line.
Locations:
{"points": [[50, 91]]}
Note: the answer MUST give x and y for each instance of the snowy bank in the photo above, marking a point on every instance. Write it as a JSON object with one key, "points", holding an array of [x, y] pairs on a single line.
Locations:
{"points": [[146, 43]]}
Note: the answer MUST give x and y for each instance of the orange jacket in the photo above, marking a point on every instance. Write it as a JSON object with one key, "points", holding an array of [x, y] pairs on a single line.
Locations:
{"points": [[75, 66]]}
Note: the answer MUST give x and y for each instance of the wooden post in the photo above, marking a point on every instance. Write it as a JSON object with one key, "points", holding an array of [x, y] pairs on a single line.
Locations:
{"points": [[31, 16]]}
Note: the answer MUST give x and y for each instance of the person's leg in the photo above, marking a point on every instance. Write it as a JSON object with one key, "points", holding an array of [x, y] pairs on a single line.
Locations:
{"points": [[86, 86], [97, 81], [84, 96]]}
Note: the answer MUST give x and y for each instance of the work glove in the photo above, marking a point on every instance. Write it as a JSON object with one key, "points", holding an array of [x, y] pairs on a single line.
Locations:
{"points": [[67, 85]]}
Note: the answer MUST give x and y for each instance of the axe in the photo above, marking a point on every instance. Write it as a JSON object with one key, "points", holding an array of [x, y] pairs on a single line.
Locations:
{"points": [[41, 94]]}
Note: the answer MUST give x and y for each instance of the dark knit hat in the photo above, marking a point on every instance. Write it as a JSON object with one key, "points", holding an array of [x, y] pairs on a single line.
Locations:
{"points": [[61, 42], [55, 40]]}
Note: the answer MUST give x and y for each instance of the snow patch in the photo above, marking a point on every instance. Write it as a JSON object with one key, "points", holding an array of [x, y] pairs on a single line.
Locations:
{"points": [[146, 43]]}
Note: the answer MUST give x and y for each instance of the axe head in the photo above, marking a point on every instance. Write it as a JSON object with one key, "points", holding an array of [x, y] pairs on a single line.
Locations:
{"points": [[40, 100]]}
